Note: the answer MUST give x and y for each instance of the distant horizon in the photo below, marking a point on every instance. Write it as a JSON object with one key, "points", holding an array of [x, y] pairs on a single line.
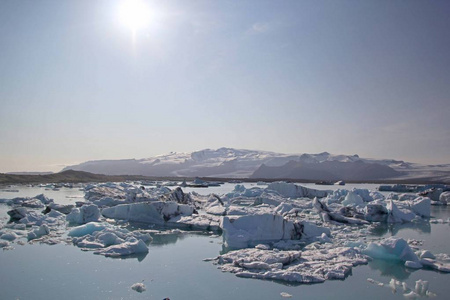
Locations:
{"points": [[61, 167]]}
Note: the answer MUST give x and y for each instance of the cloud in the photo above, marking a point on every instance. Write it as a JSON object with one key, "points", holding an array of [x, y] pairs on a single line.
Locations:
{"points": [[259, 28]]}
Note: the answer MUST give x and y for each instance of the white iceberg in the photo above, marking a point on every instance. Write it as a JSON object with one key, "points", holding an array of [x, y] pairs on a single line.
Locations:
{"points": [[131, 246], [246, 230], [290, 190], [84, 214], [310, 266], [157, 212], [38, 232], [86, 229]]}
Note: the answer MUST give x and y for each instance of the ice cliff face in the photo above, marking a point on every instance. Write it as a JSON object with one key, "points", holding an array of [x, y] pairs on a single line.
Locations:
{"points": [[238, 163]]}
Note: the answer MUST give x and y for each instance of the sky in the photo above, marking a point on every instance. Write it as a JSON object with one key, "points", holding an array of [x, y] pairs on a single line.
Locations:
{"points": [[82, 80]]}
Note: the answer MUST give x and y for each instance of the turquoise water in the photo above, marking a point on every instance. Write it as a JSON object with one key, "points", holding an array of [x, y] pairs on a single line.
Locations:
{"points": [[174, 268]]}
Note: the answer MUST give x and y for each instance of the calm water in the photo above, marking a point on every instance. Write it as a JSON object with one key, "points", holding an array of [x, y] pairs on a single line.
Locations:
{"points": [[174, 268]]}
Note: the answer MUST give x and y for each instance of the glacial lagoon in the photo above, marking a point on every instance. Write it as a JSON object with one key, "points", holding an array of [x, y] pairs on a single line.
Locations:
{"points": [[174, 266]]}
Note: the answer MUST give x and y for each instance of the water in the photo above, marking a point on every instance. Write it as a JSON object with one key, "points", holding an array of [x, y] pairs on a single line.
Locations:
{"points": [[174, 268]]}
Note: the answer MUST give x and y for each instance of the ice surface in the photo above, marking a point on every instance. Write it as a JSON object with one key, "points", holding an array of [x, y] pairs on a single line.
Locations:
{"points": [[290, 190], [105, 235], [138, 287], [86, 229], [445, 198], [396, 215], [38, 232], [395, 249], [131, 246], [53, 218], [84, 214], [63, 208], [310, 266], [157, 212], [243, 231]]}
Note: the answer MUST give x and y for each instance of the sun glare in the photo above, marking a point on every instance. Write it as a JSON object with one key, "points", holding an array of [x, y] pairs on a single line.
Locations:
{"points": [[135, 14]]}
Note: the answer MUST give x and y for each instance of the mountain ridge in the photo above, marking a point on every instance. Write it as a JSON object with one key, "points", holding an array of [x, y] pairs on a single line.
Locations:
{"points": [[243, 163]]}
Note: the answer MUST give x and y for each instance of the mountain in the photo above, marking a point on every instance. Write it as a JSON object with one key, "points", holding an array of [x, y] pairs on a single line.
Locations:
{"points": [[239, 163], [328, 170]]}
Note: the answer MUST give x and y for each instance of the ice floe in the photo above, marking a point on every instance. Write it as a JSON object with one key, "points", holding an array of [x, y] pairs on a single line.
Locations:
{"points": [[309, 266]]}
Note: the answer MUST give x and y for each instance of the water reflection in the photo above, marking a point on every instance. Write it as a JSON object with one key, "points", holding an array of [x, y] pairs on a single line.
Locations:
{"points": [[390, 268], [166, 238], [140, 257], [393, 229]]}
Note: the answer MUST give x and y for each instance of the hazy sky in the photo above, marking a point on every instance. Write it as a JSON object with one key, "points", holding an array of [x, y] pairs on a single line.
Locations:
{"points": [[365, 77]]}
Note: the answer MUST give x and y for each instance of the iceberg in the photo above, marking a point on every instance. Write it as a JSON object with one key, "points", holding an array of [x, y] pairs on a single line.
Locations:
{"points": [[84, 214], [444, 198], [38, 232], [395, 249], [310, 266], [138, 287], [157, 212], [86, 229], [290, 190], [246, 230], [131, 246]]}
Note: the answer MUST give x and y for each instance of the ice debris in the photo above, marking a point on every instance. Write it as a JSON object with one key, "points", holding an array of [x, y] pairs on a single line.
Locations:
{"points": [[131, 246], [84, 214], [138, 287], [109, 240], [420, 289], [309, 266]]}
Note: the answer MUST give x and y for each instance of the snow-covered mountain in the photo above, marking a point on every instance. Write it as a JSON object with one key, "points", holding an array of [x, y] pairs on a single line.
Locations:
{"points": [[239, 163]]}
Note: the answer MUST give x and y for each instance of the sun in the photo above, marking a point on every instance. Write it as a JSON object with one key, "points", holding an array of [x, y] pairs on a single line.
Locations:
{"points": [[135, 14]]}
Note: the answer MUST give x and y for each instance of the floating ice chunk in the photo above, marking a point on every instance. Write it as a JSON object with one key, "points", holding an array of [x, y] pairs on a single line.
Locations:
{"points": [[395, 215], [131, 246], [18, 213], [32, 203], [353, 199], [421, 206], [426, 254], [38, 232], [150, 212], [196, 222], [285, 295], [445, 197], [326, 215], [290, 190], [110, 235], [365, 194], [53, 218], [433, 264], [107, 201], [84, 214], [44, 199], [309, 266], [215, 206], [4, 244], [178, 196], [247, 230], [262, 247], [138, 287], [396, 249], [375, 213], [373, 281], [85, 229], [62, 208], [9, 236], [413, 264]]}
